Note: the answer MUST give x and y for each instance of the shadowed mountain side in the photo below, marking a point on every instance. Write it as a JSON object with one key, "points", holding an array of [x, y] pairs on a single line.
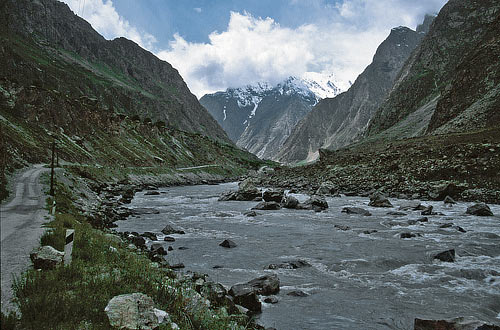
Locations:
{"points": [[337, 122], [135, 81], [453, 76]]}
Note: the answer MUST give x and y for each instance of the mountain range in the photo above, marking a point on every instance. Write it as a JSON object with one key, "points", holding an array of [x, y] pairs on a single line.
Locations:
{"points": [[260, 117]]}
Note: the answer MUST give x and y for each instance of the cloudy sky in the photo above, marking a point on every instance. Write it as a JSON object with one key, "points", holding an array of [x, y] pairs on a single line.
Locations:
{"points": [[217, 44]]}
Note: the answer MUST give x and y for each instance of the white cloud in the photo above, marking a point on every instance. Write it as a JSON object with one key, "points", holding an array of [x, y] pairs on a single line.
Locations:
{"points": [[342, 41], [197, 9], [104, 18], [255, 49]]}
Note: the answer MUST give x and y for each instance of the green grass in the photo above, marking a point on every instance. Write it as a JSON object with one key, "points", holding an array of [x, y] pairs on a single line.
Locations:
{"points": [[75, 296]]}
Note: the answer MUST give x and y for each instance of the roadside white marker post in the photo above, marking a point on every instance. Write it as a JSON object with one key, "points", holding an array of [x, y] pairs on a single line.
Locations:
{"points": [[68, 247], [53, 208]]}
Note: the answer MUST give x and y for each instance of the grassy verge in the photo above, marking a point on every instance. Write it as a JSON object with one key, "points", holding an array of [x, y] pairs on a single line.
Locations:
{"points": [[74, 297]]}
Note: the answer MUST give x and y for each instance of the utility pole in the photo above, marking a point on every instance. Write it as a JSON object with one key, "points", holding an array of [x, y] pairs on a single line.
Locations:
{"points": [[51, 193]]}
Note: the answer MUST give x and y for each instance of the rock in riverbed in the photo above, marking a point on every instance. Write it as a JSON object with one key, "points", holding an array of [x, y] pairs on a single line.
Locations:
{"points": [[446, 256], [273, 195], [227, 243], [379, 200], [480, 209], [356, 210], [454, 324], [169, 230], [267, 206]]}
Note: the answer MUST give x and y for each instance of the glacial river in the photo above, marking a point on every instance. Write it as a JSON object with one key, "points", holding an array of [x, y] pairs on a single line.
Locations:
{"points": [[357, 280]]}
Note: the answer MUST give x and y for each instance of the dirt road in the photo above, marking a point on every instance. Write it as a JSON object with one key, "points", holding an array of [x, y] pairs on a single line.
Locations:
{"points": [[21, 222]]}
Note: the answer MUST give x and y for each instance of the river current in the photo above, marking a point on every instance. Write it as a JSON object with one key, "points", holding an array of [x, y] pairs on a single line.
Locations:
{"points": [[357, 280]]}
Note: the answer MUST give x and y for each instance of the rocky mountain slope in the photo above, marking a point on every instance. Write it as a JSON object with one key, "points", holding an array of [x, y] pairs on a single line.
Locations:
{"points": [[128, 79], [108, 121], [451, 82], [339, 121], [259, 118]]}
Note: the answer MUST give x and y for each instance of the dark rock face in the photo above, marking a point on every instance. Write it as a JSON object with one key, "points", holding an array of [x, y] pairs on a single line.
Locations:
{"points": [[455, 324], [356, 210], [267, 206], [140, 83], [446, 256], [480, 209], [379, 200], [450, 82], [227, 243], [273, 195], [337, 122]]}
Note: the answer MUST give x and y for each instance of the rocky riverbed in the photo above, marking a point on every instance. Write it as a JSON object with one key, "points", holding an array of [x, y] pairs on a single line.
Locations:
{"points": [[337, 267]]}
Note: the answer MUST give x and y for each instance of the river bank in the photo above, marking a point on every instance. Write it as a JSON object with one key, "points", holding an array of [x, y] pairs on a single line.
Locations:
{"points": [[462, 166]]}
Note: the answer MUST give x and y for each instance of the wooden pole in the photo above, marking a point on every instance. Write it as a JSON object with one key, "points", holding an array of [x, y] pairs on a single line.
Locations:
{"points": [[51, 193]]}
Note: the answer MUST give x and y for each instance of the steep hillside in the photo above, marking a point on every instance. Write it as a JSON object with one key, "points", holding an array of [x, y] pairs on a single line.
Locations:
{"points": [[451, 82], [127, 78], [99, 115], [339, 121], [259, 118]]}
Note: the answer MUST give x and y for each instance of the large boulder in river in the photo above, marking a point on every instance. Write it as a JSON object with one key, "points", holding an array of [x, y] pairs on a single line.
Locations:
{"points": [[454, 324], [356, 210], [46, 257], [379, 200], [480, 209], [316, 203], [266, 285], [267, 206], [290, 202], [446, 256], [244, 295], [273, 195], [227, 243], [132, 311]]}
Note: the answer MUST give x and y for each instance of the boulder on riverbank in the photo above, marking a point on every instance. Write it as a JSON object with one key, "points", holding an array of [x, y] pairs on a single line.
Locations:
{"points": [[245, 295], [316, 203], [46, 258], [453, 324], [132, 311], [273, 195], [246, 192], [290, 202], [479, 209]]}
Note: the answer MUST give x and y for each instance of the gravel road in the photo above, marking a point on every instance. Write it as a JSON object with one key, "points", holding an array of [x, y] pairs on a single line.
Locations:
{"points": [[21, 222]]}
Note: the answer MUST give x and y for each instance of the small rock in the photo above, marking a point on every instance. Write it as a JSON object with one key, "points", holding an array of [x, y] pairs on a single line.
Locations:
{"points": [[271, 300], [169, 239], [480, 209], [396, 213], [265, 285], [297, 293], [151, 236], [342, 227], [217, 267], [356, 210], [176, 266], [316, 203], [228, 244], [427, 210], [151, 193], [446, 256], [169, 230], [408, 235], [267, 206], [368, 232], [183, 248], [170, 248], [460, 229], [250, 213], [423, 219], [138, 241], [446, 225], [293, 264]]}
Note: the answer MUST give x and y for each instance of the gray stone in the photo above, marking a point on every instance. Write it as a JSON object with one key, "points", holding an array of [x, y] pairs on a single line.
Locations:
{"points": [[446, 256], [290, 202], [227, 243], [132, 311], [46, 258], [480, 209], [169, 230], [273, 195], [245, 296], [379, 200], [267, 206], [356, 210]]}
